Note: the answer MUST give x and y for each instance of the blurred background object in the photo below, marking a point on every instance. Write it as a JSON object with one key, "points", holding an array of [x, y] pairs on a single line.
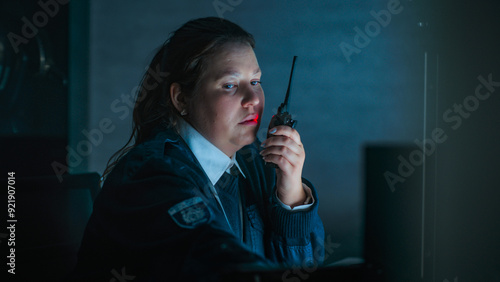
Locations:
{"points": [[33, 88]]}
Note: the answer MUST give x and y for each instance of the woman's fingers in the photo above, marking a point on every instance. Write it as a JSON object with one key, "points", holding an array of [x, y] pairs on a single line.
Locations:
{"points": [[287, 131], [285, 149]]}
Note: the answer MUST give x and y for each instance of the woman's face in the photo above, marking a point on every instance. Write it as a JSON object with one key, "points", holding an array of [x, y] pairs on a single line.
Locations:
{"points": [[228, 106]]}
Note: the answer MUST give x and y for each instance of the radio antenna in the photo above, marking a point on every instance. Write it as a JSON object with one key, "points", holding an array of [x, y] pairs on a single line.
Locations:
{"points": [[284, 106]]}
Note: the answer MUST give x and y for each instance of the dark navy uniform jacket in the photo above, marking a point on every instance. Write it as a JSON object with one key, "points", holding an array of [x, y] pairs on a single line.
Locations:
{"points": [[156, 219]]}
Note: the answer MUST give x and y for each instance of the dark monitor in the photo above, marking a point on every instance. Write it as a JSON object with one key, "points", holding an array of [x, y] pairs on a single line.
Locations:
{"points": [[393, 211]]}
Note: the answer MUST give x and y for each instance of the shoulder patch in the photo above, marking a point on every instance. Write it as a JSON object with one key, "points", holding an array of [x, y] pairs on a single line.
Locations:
{"points": [[190, 213]]}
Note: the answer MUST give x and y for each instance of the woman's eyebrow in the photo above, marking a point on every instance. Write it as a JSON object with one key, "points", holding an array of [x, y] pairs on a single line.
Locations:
{"points": [[233, 72], [227, 72]]}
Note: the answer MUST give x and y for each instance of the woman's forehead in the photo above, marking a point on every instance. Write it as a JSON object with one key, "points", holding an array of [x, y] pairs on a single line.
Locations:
{"points": [[233, 59]]}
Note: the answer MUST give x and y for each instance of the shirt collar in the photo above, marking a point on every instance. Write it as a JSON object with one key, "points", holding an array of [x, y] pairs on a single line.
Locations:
{"points": [[213, 161]]}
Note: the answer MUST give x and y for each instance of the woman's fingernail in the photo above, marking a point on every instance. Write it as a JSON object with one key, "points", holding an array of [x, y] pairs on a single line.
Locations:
{"points": [[263, 144], [272, 130]]}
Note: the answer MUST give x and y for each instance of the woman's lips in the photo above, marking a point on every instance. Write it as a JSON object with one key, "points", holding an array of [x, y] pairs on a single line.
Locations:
{"points": [[250, 119]]}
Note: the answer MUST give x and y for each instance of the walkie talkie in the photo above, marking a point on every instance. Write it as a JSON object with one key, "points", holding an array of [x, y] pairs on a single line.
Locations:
{"points": [[283, 117]]}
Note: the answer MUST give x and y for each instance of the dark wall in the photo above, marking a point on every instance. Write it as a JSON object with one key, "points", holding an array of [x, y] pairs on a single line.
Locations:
{"points": [[467, 187], [453, 214]]}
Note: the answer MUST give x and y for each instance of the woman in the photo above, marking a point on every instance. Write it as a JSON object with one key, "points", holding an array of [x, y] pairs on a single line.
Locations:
{"points": [[192, 198]]}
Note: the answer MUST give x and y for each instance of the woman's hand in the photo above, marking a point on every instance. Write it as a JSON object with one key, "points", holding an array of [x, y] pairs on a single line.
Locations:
{"points": [[285, 149]]}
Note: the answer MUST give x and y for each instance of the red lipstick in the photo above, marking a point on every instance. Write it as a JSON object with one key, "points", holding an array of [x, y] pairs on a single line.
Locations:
{"points": [[250, 119]]}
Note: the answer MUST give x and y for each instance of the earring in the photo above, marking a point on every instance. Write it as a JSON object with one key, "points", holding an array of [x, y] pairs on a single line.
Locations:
{"points": [[184, 112]]}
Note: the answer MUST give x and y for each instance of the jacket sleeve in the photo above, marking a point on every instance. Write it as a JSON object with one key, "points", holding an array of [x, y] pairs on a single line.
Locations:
{"points": [[297, 237], [291, 238]]}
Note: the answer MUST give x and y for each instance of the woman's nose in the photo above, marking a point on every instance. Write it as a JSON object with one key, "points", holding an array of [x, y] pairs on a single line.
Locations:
{"points": [[251, 97]]}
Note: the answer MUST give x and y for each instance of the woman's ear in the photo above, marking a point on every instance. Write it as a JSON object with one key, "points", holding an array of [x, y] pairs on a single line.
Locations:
{"points": [[177, 98]]}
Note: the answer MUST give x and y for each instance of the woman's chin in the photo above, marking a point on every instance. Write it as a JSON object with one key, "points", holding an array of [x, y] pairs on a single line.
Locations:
{"points": [[242, 141]]}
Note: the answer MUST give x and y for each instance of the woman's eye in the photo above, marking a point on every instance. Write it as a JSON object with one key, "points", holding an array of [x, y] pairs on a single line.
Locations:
{"points": [[228, 86], [256, 82]]}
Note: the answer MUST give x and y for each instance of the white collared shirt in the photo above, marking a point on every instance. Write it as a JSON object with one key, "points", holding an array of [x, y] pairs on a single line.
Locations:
{"points": [[215, 162]]}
